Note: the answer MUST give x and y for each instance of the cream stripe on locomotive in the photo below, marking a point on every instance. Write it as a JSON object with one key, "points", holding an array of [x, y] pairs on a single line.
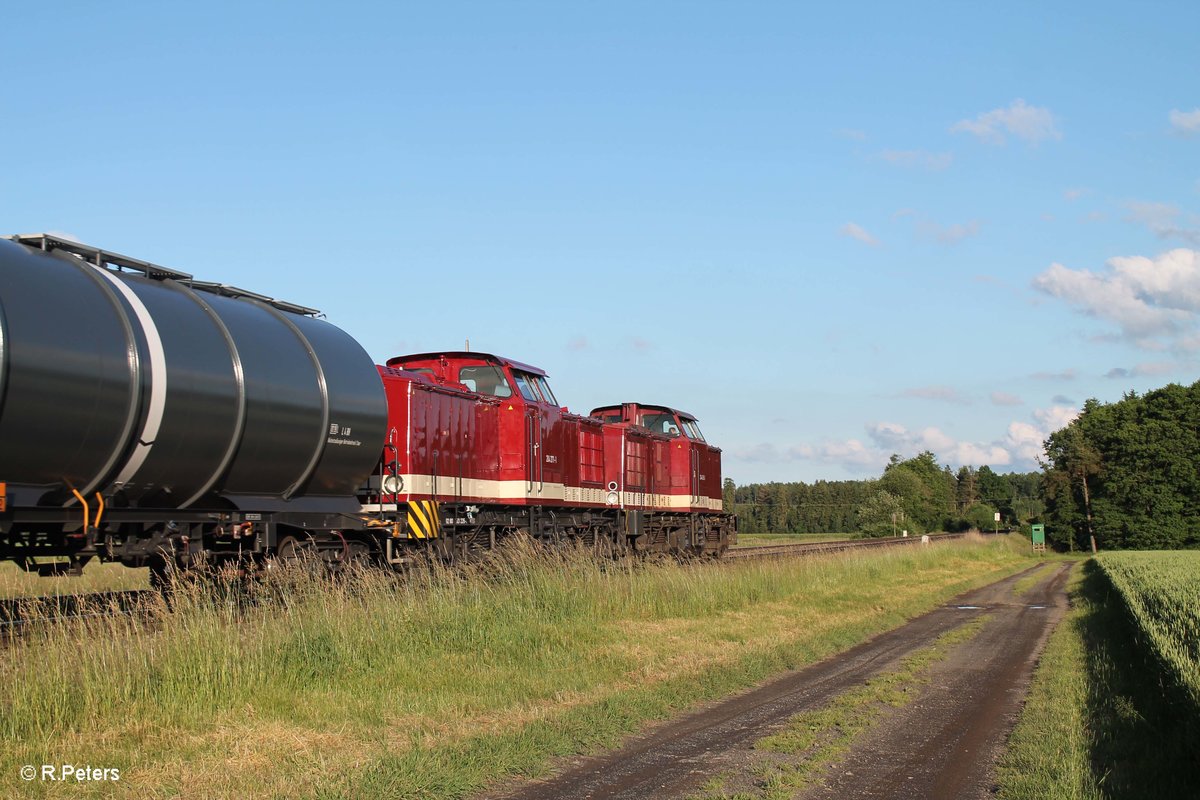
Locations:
{"points": [[449, 488]]}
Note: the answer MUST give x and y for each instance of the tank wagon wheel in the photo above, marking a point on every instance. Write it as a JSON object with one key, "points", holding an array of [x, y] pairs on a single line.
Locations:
{"points": [[294, 550], [162, 574]]}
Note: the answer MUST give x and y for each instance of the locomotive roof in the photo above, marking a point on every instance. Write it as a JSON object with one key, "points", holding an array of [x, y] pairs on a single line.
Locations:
{"points": [[504, 362], [650, 406]]}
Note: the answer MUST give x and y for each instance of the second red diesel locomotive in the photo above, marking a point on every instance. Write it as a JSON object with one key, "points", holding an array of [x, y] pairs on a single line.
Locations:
{"points": [[153, 419]]}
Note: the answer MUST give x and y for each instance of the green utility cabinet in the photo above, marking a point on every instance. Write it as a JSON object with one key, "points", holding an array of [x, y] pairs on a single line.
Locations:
{"points": [[1039, 537]]}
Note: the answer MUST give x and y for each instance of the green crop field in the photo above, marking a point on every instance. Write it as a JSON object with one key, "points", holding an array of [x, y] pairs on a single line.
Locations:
{"points": [[1111, 711], [1162, 591]]}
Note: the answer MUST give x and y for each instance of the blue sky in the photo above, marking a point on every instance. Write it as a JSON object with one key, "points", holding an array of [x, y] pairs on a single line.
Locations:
{"points": [[831, 233]]}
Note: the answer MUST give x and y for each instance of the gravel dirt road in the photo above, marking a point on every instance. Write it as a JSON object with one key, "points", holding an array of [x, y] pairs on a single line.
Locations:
{"points": [[942, 745]]}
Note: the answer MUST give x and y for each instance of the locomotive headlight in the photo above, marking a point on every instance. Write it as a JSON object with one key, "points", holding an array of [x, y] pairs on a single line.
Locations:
{"points": [[393, 484]]}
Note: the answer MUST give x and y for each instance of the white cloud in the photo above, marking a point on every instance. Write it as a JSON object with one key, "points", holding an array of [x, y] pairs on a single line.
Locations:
{"points": [[764, 452], [891, 437], [1005, 399], [858, 232], [1145, 298], [1165, 221], [1024, 441], [1019, 447], [1055, 418], [852, 134], [1030, 123], [1063, 375], [850, 453], [948, 234], [578, 343], [1071, 195], [1145, 369], [1185, 123], [944, 393], [935, 162]]}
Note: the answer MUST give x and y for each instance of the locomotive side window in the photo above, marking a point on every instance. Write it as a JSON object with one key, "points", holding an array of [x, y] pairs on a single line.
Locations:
{"points": [[545, 387], [485, 380], [693, 430], [525, 387]]}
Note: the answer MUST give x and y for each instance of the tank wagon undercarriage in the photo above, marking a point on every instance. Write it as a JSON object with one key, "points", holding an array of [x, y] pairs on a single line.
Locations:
{"points": [[58, 542]]}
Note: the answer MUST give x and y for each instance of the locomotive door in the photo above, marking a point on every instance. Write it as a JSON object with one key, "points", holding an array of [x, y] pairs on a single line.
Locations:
{"points": [[695, 501], [535, 475]]}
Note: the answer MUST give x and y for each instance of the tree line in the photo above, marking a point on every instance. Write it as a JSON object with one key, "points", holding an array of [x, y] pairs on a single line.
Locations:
{"points": [[1127, 474], [1123, 475], [916, 495]]}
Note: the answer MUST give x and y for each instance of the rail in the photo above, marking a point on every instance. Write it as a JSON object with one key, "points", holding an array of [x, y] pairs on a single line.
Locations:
{"points": [[813, 548], [19, 612]]}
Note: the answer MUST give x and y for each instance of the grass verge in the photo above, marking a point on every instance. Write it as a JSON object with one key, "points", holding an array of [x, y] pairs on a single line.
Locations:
{"points": [[1023, 585], [1098, 722], [437, 683]]}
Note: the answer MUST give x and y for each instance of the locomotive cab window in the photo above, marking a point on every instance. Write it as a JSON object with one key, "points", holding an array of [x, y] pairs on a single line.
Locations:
{"points": [[485, 380], [545, 389], [526, 387], [693, 430], [661, 422]]}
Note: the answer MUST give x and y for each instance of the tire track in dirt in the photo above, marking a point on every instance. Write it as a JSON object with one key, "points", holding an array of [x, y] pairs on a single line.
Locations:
{"points": [[675, 758]]}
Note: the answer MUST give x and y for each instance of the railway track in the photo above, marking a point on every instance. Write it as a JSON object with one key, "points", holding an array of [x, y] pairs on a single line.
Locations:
{"points": [[812, 548], [17, 613]]}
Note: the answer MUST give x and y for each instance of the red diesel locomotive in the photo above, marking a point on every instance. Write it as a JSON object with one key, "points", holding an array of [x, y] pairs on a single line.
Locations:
{"points": [[150, 418], [482, 449]]}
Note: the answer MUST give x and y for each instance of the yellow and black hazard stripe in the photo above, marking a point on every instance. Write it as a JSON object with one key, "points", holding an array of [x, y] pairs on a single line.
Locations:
{"points": [[423, 519]]}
